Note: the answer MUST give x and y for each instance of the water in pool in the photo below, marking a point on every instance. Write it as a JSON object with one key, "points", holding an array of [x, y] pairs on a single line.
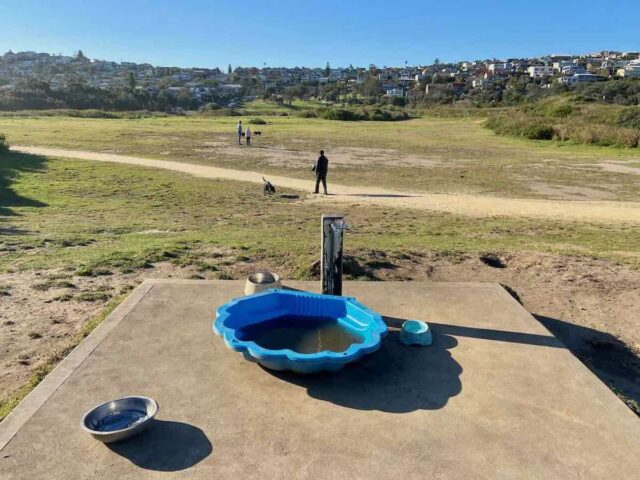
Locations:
{"points": [[300, 334]]}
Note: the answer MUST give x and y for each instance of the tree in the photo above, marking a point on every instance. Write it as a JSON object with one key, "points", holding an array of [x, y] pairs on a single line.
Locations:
{"points": [[131, 80], [436, 61], [80, 56], [372, 87], [327, 70], [229, 70]]}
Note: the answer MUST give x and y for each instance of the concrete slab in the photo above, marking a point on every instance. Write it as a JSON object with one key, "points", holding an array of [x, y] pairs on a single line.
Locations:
{"points": [[495, 396]]}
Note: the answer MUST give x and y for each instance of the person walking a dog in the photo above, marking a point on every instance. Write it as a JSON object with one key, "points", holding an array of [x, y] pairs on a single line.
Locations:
{"points": [[321, 167], [239, 130], [247, 135]]}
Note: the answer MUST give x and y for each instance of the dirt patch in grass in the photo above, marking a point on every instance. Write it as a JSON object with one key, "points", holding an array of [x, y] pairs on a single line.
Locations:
{"points": [[280, 156], [619, 167], [565, 192]]}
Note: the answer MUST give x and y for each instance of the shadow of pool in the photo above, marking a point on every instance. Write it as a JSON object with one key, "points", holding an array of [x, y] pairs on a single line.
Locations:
{"points": [[395, 379]]}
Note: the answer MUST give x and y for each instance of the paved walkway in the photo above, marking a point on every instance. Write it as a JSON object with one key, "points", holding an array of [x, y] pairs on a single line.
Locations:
{"points": [[459, 204]]}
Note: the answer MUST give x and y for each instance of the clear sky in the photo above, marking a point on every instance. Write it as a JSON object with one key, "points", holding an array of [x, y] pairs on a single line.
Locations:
{"points": [[211, 33]]}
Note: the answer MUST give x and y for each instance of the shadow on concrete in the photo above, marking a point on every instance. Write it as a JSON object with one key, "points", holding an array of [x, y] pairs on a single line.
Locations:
{"points": [[486, 333], [165, 447], [12, 164], [609, 358], [396, 379]]}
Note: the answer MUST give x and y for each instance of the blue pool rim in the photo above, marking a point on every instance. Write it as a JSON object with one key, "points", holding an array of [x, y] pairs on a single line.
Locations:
{"points": [[287, 359]]}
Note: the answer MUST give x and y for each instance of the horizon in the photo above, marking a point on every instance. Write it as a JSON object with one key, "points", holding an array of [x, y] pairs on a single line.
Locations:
{"points": [[313, 67], [199, 34]]}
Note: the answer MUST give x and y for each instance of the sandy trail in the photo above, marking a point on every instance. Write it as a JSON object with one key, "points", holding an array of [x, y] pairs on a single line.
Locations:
{"points": [[460, 204]]}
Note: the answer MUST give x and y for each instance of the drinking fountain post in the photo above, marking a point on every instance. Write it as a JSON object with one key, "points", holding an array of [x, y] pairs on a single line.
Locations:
{"points": [[332, 235]]}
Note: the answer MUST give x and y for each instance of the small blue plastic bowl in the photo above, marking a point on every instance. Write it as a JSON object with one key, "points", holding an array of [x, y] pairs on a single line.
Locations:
{"points": [[415, 332], [243, 312]]}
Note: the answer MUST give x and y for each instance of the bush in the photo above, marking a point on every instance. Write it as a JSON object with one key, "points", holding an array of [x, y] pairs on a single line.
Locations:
{"points": [[629, 117], [538, 131], [605, 135], [521, 125], [562, 110], [308, 114], [209, 106], [4, 146], [257, 121], [378, 115], [343, 114]]}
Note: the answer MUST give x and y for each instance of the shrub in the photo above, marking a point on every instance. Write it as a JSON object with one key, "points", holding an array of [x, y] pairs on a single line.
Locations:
{"points": [[257, 121], [538, 131], [209, 106], [4, 146], [606, 135], [343, 114], [562, 110], [629, 117], [378, 115], [308, 114], [521, 125]]}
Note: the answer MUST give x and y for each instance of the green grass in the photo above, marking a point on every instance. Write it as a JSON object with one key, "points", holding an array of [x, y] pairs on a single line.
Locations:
{"points": [[424, 154], [99, 219], [9, 403]]}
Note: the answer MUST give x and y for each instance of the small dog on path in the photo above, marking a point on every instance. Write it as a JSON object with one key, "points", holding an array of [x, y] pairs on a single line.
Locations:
{"points": [[268, 188]]}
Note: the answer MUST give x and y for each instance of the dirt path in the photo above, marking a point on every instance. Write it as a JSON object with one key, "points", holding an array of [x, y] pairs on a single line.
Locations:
{"points": [[461, 204]]}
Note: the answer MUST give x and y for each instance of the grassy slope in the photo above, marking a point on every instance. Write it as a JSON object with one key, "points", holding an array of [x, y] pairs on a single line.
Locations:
{"points": [[468, 158], [84, 216]]}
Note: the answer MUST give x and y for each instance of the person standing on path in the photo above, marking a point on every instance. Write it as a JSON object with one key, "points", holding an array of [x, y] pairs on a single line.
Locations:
{"points": [[239, 130], [247, 135], [321, 168]]}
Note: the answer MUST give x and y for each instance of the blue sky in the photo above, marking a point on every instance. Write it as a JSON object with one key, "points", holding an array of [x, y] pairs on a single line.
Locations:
{"points": [[310, 33]]}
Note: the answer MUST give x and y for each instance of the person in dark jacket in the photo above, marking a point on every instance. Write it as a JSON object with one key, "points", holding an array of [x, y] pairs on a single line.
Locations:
{"points": [[321, 167]]}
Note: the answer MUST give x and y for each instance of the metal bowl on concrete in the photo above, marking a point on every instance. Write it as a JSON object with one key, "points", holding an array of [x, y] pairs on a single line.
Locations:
{"points": [[119, 419], [261, 281]]}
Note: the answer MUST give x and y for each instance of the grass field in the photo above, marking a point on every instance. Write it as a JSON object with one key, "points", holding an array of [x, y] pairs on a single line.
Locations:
{"points": [[80, 214], [423, 154]]}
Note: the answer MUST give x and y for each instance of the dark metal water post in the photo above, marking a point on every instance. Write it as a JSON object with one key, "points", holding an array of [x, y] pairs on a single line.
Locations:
{"points": [[332, 235]]}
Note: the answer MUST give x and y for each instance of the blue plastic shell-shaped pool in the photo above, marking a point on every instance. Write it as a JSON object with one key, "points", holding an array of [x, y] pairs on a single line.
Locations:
{"points": [[300, 331]]}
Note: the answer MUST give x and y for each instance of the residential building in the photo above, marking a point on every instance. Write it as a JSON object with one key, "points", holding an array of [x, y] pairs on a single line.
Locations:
{"points": [[573, 69], [536, 71], [579, 78], [394, 92], [632, 69]]}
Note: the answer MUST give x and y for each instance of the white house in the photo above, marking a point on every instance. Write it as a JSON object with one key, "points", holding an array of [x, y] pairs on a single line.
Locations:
{"points": [[500, 68], [558, 66], [579, 78], [573, 69], [394, 92], [536, 71], [632, 70]]}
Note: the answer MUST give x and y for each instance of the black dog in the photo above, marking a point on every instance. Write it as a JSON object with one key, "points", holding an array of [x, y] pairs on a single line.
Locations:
{"points": [[268, 188], [257, 133]]}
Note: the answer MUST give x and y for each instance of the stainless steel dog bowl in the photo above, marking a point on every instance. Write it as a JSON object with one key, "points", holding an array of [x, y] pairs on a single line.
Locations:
{"points": [[261, 281], [119, 419]]}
